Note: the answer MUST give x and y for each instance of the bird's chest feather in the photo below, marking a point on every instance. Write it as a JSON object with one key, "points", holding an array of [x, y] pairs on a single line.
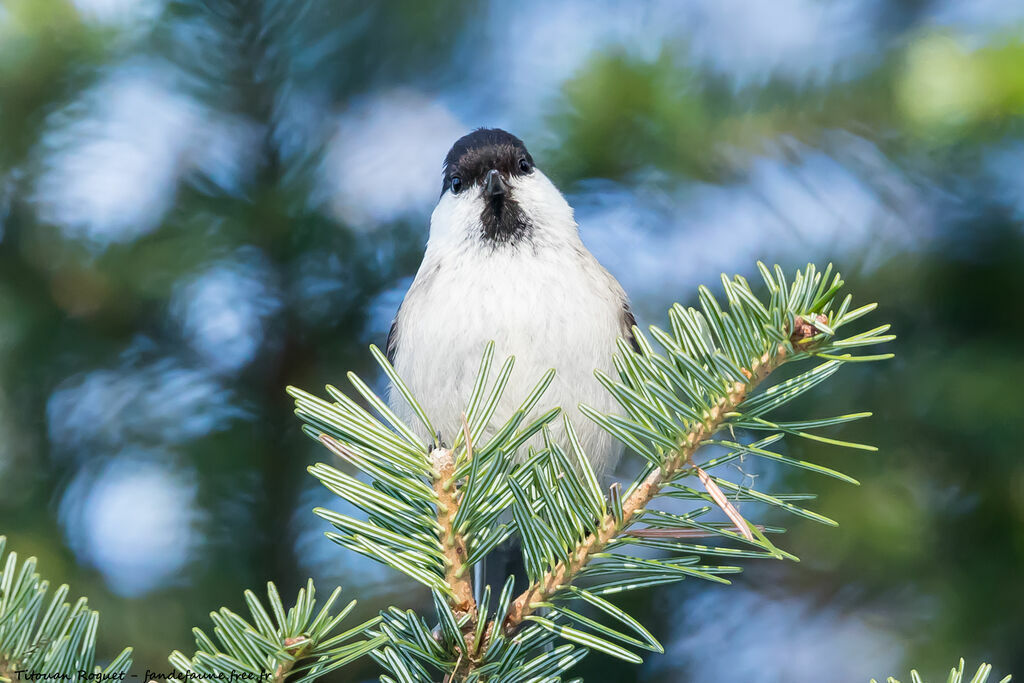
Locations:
{"points": [[547, 313]]}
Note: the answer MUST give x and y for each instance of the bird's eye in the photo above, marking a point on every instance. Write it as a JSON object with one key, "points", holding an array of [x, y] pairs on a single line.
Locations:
{"points": [[524, 165], [456, 184]]}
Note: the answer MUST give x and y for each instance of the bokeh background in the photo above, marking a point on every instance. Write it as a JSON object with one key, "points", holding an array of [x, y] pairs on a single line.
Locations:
{"points": [[204, 201]]}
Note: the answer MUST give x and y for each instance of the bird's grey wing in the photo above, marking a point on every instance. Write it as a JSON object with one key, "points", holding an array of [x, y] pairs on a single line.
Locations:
{"points": [[626, 318], [628, 322], [391, 347]]}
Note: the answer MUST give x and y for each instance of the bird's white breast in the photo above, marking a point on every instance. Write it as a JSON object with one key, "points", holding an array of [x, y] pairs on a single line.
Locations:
{"points": [[548, 307]]}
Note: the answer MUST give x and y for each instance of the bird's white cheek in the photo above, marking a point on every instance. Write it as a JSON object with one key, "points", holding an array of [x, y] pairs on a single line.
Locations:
{"points": [[542, 202], [455, 218]]}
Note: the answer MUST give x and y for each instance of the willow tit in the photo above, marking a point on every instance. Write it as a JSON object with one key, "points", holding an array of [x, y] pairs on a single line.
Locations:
{"points": [[504, 262]]}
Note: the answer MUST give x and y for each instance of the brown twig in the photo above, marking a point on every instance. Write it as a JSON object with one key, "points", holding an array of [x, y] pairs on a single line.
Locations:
{"points": [[6, 670], [449, 496], [452, 542], [722, 502], [285, 667]]}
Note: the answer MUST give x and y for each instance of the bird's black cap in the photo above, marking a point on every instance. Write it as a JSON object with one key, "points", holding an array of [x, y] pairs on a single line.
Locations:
{"points": [[485, 149]]}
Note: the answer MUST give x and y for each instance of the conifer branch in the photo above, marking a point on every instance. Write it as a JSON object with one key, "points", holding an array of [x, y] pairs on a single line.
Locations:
{"points": [[433, 513], [301, 642], [453, 543], [541, 591]]}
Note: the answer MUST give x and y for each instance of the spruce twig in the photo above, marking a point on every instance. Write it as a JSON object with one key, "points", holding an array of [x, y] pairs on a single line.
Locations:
{"points": [[563, 574]]}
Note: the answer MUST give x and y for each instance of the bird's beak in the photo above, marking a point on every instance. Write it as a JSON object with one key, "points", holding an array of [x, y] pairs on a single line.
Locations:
{"points": [[494, 186]]}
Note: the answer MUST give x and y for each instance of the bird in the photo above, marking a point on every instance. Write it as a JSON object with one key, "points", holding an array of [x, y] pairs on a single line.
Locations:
{"points": [[504, 262]]}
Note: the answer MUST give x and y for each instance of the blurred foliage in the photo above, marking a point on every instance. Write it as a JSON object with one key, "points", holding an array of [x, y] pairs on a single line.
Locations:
{"points": [[930, 548]]}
